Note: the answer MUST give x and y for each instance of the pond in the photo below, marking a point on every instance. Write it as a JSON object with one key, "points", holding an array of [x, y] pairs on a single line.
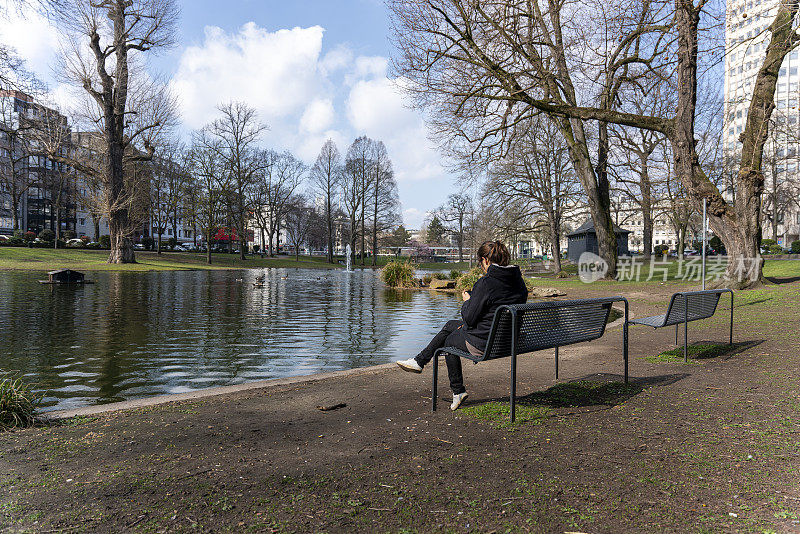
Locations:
{"points": [[133, 335]]}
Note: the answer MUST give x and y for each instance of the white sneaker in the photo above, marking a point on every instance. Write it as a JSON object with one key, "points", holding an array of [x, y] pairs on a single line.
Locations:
{"points": [[458, 399], [410, 365]]}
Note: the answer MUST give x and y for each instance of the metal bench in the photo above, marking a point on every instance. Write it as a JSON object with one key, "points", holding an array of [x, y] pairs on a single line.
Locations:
{"points": [[523, 328], [686, 307]]}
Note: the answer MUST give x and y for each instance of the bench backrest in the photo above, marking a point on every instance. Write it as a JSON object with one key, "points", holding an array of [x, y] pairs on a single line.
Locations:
{"points": [[701, 304], [544, 325]]}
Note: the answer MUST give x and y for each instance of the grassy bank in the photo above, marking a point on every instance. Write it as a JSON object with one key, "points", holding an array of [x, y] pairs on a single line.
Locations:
{"points": [[39, 259]]}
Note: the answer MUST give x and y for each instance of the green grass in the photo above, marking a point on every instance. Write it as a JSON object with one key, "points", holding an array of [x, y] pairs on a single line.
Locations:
{"points": [[37, 259], [497, 414], [42, 259], [696, 352], [536, 407]]}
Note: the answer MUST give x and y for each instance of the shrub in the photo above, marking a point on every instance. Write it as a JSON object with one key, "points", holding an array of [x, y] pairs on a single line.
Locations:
{"points": [[17, 403], [47, 235], [767, 243], [148, 242], [105, 241], [398, 274], [426, 279], [439, 276], [255, 249], [454, 274], [660, 250], [468, 279], [171, 242], [29, 236], [19, 233], [69, 234], [795, 247], [85, 239], [775, 249]]}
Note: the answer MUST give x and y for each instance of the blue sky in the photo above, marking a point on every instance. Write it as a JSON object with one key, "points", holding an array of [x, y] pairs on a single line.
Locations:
{"points": [[313, 70]]}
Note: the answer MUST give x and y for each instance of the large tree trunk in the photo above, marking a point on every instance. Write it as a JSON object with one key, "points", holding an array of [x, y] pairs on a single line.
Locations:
{"points": [[158, 241], [118, 223], [597, 192], [738, 226]]}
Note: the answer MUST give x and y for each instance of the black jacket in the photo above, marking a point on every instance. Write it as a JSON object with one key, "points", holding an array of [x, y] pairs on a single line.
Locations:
{"points": [[500, 285]]}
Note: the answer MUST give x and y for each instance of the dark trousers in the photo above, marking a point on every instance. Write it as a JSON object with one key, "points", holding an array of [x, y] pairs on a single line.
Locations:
{"points": [[453, 334]]}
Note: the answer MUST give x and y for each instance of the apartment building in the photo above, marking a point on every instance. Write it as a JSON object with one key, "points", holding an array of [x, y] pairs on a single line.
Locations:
{"points": [[746, 39]]}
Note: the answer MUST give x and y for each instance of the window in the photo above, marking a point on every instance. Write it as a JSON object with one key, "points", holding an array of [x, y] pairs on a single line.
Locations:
{"points": [[82, 221], [782, 72], [793, 71], [169, 231]]}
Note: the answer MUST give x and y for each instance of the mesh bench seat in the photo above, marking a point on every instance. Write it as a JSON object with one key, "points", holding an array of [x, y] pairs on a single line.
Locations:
{"points": [[686, 307], [524, 328]]}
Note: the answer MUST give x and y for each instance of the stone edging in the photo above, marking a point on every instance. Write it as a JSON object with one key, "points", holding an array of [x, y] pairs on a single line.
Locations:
{"points": [[210, 392]]}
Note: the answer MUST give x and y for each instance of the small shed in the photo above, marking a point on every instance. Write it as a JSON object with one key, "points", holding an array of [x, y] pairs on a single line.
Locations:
{"points": [[65, 276], [584, 239]]}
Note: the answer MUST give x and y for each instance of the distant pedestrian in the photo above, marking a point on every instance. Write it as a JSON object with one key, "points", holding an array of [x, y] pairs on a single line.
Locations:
{"points": [[502, 284]]}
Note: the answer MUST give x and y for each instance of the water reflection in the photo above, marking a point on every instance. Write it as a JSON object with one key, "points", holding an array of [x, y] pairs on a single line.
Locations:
{"points": [[133, 335]]}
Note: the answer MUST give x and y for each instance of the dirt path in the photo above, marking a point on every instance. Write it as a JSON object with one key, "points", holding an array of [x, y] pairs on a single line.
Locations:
{"points": [[713, 446]]}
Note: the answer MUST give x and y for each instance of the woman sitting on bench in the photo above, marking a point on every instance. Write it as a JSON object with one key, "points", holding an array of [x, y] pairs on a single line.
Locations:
{"points": [[502, 284]]}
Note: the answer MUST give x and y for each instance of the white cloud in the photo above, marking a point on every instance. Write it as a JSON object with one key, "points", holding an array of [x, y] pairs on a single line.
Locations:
{"points": [[34, 38], [317, 116], [337, 59], [275, 72]]}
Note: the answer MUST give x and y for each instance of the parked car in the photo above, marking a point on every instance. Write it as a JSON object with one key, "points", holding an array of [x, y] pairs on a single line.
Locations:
{"points": [[183, 247], [4, 237], [136, 246]]}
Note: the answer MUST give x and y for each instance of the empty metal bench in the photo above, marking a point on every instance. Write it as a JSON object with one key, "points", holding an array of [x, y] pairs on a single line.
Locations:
{"points": [[686, 307], [524, 328]]}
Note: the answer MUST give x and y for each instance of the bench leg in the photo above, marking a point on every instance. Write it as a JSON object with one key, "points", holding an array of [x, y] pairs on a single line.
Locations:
{"points": [[513, 385], [556, 363], [435, 395], [625, 341], [685, 329], [730, 340]]}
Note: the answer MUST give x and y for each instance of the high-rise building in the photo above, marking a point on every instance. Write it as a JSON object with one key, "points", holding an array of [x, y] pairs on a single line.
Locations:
{"points": [[36, 193], [746, 40]]}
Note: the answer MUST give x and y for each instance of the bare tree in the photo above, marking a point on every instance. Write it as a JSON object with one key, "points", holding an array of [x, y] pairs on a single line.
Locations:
{"points": [[455, 214], [17, 130], [238, 131], [537, 179], [510, 57], [384, 202], [105, 40], [282, 176], [482, 68], [299, 221], [51, 133], [325, 181], [211, 181], [355, 179]]}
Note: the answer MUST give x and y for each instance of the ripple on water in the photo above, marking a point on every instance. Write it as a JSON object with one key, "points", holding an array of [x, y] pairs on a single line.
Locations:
{"points": [[141, 334]]}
